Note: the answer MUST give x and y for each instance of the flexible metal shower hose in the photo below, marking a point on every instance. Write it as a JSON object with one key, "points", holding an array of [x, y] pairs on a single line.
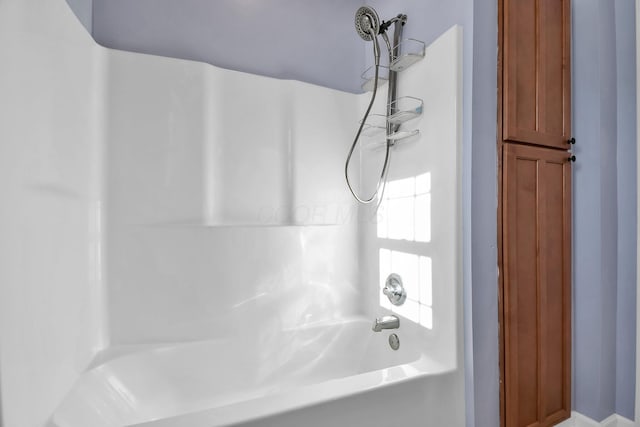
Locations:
{"points": [[383, 174]]}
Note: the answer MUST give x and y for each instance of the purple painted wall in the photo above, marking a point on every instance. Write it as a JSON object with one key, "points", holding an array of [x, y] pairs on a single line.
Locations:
{"points": [[84, 11], [315, 42], [291, 39], [604, 207], [483, 286], [586, 193], [627, 215]]}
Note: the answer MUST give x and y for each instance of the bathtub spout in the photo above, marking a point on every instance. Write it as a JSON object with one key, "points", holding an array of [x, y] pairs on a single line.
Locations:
{"points": [[385, 322]]}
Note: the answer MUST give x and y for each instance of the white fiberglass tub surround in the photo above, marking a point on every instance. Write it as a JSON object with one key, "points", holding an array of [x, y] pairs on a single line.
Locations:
{"points": [[219, 382], [230, 278]]}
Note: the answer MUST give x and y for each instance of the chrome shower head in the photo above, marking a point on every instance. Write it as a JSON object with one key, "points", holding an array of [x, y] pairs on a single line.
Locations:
{"points": [[366, 21]]}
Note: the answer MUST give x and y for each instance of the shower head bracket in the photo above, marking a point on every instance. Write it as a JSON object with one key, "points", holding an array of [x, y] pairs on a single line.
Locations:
{"points": [[401, 18]]}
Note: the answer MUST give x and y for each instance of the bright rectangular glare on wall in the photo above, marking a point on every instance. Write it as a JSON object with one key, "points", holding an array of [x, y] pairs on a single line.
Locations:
{"points": [[416, 273], [405, 210], [426, 290]]}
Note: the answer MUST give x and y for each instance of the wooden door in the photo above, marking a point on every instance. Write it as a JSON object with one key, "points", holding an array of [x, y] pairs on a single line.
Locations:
{"points": [[536, 209], [536, 104]]}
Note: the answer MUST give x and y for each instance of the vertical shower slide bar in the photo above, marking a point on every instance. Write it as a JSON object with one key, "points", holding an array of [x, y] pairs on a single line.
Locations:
{"points": [[392, 94]]}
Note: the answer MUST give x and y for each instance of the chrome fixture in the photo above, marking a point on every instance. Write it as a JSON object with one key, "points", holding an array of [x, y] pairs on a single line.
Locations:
{"points": [[368, 26], [394, 341], [394, 290], [367, 22], [385, 322]]}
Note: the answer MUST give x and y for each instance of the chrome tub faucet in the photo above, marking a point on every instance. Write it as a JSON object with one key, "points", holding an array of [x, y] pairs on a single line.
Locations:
{"points": [[385, 322]]}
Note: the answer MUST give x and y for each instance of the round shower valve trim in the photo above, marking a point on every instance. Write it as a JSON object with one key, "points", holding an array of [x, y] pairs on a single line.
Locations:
{"points": [[394, 290]]}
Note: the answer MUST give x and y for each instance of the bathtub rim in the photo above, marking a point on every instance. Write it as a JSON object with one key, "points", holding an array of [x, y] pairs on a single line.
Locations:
{"points": [[291, 400], [119, 352]]}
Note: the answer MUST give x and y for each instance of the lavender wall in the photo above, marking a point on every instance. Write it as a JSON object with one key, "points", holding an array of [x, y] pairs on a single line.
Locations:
{"points": [[483, 286], [292, 39], [84, 11], [627, 215], [587, 206], [604, 207]]}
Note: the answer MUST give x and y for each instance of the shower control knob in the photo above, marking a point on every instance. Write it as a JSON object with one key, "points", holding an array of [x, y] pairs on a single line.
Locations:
{"points": [[394, 290]]}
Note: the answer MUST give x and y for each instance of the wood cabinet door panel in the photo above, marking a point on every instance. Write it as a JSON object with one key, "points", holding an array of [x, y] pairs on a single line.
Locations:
{"points": [[536, 285], [536, 72]]}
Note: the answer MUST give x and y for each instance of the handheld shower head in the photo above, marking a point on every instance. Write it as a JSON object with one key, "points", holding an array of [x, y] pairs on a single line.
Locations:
{"points": [[369, 28], [367, 21]]}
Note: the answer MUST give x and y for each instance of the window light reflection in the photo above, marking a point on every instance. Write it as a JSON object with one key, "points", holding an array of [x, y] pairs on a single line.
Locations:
{"points": [[406, 209], [416, 273]]}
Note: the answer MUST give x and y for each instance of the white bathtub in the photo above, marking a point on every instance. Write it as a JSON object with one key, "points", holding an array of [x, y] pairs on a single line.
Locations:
{"points": [[252, 377]]}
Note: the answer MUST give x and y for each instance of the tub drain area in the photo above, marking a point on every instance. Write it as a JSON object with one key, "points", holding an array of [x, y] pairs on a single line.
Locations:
{"points": [[394, 341]]}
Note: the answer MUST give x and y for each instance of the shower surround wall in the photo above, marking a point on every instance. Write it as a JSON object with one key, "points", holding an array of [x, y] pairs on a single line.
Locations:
{"points": [[134, 26], [215, 218], [153, 200], [51, 294], [153, 129], [144, 26]]}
